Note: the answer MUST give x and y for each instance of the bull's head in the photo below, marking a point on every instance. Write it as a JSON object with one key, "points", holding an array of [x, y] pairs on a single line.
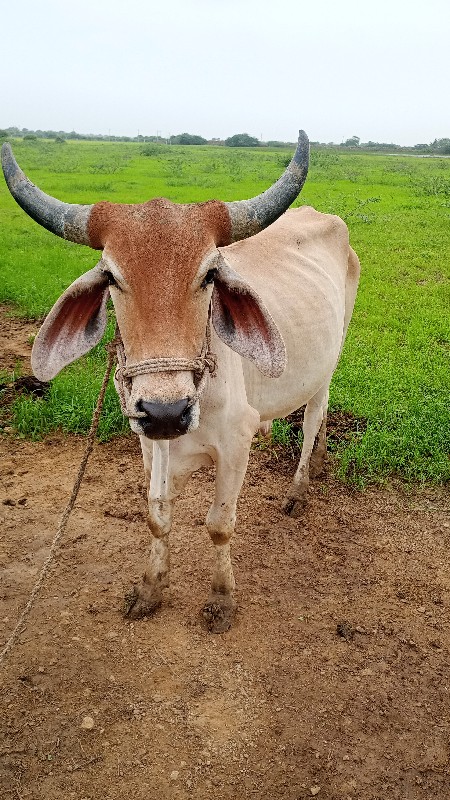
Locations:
{"points": [[161, 265]]}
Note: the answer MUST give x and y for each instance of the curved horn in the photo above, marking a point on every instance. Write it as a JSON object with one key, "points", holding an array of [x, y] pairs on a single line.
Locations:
{"points": [[251, 216], [70, 221]]}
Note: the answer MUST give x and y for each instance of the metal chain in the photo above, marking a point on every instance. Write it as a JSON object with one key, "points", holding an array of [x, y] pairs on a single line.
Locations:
{"points": [[67, 511]]}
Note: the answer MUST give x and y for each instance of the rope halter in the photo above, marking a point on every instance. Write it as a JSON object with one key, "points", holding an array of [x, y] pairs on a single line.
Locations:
{"points": [[204, 364]]}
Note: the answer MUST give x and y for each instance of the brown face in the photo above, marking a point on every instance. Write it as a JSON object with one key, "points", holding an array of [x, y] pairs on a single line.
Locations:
{"points": [[159, 263], [160, 260]]}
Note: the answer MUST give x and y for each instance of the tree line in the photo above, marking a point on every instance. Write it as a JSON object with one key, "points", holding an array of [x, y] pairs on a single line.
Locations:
{"points": [[438, 146]]}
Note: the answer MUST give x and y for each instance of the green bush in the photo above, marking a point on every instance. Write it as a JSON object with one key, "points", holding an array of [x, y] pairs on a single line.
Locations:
{"points": [[241, 140]]}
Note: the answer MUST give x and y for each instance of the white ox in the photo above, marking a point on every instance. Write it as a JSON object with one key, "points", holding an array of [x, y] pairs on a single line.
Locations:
{"points": [[279, 302]]}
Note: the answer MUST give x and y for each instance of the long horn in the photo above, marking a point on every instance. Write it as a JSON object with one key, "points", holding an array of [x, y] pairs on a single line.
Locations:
{"points": [[70, 221], [251, 216]]}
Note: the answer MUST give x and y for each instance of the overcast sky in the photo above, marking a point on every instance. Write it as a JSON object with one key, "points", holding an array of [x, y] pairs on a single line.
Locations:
{"points": [[337, 68]]}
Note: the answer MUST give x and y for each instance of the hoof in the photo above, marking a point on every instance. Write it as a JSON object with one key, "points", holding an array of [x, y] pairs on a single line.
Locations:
{"points": [[140, 602], [265, 429], [218, 612], [295, 502]]}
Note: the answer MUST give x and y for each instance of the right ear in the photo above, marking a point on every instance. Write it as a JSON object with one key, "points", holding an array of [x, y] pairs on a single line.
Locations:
{"points": [[244, 323], [74, 326]]}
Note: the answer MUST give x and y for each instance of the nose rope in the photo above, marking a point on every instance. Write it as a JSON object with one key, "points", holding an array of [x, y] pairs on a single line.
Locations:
{"points": [[205, 363]]}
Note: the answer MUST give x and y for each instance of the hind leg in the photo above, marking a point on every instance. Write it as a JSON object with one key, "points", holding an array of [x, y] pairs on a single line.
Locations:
{"points": [[312, 455], [318, 455]]}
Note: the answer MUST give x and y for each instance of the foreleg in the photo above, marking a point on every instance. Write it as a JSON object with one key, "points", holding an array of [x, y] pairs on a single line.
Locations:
{"points": [[231, 466], [167, 474], [147, 596]]}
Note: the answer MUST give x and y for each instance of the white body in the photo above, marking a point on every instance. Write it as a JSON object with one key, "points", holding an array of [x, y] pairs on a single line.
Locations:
{"points": [[304, 270]]}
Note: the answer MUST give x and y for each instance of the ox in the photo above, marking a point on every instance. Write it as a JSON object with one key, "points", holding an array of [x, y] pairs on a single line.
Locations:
{"points": [[230, 314]]}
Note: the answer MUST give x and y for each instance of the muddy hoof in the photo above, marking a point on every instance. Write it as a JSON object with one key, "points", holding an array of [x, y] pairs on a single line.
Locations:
{"points": [[218, 613], [140, 602], [295, 502]]}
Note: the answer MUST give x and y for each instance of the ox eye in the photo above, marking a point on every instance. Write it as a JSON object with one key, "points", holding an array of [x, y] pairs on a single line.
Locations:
{"points": [[110, 278], [209, 278]]}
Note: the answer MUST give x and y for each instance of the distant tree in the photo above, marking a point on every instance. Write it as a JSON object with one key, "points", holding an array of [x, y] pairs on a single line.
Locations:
{"points": [[241, 140], [30, 136], [352, 142], [3, 134], [60, 140], [187, 138], [441, 146]]}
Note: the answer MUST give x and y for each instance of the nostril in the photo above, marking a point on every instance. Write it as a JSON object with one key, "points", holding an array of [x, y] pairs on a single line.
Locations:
{"points": [[185, 415], [140, 406], [152, 410]]}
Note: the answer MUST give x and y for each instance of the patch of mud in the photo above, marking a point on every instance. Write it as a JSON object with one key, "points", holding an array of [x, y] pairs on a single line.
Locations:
{"points": [[27, 384], [341, 425], [16, 337]]}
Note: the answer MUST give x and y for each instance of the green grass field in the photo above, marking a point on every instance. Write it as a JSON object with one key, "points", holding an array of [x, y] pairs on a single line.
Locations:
{"points": [[394, 372]]}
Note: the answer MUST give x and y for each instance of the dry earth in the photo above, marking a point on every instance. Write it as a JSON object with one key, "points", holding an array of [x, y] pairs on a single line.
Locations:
{"points": [[334, 681]]}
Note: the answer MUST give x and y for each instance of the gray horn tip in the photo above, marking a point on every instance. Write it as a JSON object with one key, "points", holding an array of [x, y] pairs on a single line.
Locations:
{"points": [[9, 163], [7, 152], [303, 143]]}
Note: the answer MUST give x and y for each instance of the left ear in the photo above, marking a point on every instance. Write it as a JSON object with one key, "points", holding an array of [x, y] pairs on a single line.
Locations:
{"points": [[74, 326], [243, 322]]}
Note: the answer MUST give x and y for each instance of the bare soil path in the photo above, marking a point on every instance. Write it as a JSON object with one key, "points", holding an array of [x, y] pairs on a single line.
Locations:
{"points": [[334, 682]]}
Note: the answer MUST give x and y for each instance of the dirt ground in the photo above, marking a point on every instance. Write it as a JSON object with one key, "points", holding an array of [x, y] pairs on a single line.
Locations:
{"points": [[334, 681]]}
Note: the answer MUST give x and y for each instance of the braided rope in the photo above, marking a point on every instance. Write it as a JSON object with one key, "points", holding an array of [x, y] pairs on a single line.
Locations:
{"points": [[67, 511], [203, 364]]}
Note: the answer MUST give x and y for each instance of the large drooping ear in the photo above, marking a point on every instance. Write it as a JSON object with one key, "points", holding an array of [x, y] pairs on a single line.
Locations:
{"points": [[74, 326], [243, 322]]}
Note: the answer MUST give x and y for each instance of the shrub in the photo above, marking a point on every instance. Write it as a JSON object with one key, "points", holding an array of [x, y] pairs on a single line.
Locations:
{"points": [[187, 138], [150, 149], [241, 140]]}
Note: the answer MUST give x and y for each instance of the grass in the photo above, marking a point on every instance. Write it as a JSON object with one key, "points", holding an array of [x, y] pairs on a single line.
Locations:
{"points": [[394, 371]]}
